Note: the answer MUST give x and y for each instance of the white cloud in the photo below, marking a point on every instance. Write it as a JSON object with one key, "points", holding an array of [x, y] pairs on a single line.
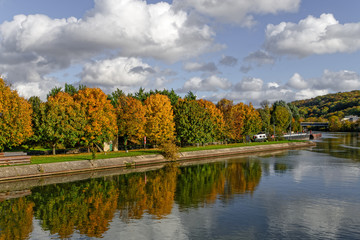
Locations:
{"points": [[212, 84], [33, 46], [338, 81], [312, 36], [249, 84], [309, 93], [238, 11], [118, 72], [297, 82], [329, 82]]}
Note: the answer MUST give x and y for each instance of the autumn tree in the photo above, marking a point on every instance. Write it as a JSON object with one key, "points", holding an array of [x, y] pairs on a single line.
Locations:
{"points": [[193, 124], [130, 119], [159, 116], [225, 106], [252, 121], [15, 118], [100, 118], [64, 121]]}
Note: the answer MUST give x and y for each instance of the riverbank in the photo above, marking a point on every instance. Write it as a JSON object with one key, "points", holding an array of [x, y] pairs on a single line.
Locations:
{"points": [[48, 169]]}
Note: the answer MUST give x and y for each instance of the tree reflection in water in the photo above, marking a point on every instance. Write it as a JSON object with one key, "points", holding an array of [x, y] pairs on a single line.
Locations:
{"points": [[88, 207]]}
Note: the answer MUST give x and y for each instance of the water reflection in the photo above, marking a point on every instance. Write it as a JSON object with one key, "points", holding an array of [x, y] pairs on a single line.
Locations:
{"points": [[298, 193], [341, 145]]}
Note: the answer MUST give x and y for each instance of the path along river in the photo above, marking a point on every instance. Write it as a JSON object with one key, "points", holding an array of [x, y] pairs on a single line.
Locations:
{"points": [[312, 193]]}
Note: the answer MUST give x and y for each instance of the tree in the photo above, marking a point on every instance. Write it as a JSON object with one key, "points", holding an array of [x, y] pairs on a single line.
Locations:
{"points": [[190, 96], [64, 121], [281, 118], [192, 123], [37, 121], [15, 118], [160, 125], [114, 97], [130, 119], [53, 92], [252, 124], [265, 115], [70, 89], [217, 118], [171, 95], [100, 119], [225, 106]]}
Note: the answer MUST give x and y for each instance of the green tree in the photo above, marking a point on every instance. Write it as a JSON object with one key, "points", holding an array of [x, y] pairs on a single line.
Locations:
{"points": [[64, 121], [193, 124], [265, 115]]}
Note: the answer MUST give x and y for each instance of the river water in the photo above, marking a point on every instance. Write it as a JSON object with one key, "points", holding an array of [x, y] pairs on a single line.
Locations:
{"points": [[312, 193]]}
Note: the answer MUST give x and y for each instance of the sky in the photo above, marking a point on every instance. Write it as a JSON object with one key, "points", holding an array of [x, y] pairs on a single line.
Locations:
{"points": [[242, 50]]}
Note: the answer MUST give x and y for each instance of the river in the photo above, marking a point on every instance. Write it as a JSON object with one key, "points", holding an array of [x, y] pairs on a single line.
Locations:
{"points": [[311, 193]]}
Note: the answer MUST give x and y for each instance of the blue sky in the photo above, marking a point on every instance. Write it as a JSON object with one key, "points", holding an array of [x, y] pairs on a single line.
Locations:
{"points": [[243, 50]]}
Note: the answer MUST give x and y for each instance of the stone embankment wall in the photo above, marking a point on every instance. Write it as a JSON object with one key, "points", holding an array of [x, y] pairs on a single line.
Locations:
{"points": [[47, 169]]}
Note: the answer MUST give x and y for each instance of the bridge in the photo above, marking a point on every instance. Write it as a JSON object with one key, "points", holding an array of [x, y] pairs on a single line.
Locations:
{"points": [[315, 124]]}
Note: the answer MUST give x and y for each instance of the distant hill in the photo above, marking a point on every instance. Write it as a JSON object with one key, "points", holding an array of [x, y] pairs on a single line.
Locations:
{"points": [[340, 104]]}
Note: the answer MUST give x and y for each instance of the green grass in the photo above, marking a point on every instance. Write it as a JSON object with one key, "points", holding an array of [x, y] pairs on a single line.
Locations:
{"points": [[87, 156]]}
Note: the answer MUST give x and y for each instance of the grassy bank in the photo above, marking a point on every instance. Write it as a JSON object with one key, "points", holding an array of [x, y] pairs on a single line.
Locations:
{"points": [[87, 156]]}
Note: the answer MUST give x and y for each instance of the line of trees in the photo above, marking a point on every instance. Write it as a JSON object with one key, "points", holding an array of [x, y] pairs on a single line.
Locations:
{"points": [[87, 117]]}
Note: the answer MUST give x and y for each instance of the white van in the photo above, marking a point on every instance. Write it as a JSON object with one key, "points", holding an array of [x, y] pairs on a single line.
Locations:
{"points": [[261, 137]]}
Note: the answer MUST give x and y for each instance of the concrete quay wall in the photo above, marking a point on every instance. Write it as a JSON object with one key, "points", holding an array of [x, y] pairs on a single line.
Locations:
{"points": [[48, 169]]}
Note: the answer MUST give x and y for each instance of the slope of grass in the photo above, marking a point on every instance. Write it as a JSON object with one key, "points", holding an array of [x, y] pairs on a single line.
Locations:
{"points": [[87, 156]]}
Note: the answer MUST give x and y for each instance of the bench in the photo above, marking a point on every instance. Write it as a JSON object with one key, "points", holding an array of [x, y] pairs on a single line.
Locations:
{"points": [[13, 160]]}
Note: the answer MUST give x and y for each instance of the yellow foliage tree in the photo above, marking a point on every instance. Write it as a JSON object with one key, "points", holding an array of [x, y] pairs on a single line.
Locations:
{"points": [[160, 125], [130, 119], [15, 118], [99, 115]]}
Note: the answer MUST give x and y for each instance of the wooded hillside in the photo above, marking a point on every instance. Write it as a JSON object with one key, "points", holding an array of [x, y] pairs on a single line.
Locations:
{"points": [[338, 104]]}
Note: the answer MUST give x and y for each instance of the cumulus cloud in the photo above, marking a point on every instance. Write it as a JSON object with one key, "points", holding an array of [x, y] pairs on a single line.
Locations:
{"points": [[238, 11], [211, 84], [297, 82], [33, 46], [249, 84], [202, 67], [117, 72], [312, 36], [228, 61]]}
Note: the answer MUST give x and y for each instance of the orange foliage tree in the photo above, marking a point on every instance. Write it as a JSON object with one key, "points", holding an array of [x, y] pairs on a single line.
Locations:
{"points": [[130, 119], [64, 120], [15, 118], [160, 126], [100, 118]]}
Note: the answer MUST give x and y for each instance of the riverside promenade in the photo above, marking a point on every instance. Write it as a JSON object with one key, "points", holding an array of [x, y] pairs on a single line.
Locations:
{"points": [[48, 169]]}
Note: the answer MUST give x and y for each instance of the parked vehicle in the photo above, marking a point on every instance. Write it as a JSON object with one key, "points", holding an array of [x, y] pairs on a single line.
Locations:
{"points": [[261, 137]]}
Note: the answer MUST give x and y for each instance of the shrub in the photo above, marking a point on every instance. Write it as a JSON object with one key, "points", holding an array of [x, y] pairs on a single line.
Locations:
{"points": [[169, 150]]}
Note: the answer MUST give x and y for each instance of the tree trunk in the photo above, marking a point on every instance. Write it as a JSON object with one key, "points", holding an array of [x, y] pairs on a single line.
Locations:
{"points": [[53, 149]]}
